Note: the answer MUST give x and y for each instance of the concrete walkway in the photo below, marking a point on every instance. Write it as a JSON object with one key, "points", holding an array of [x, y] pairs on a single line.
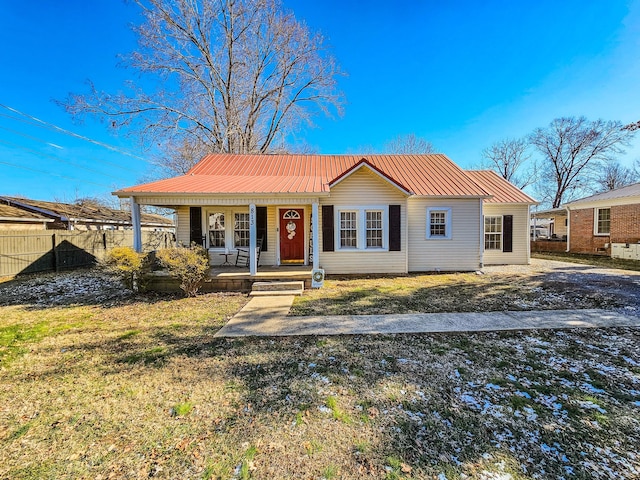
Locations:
{"points": [[267, 316]]}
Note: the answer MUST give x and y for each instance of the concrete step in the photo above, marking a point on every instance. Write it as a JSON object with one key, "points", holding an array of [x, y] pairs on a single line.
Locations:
{"points": [[277, 286], [260, 289], [274, 293]]}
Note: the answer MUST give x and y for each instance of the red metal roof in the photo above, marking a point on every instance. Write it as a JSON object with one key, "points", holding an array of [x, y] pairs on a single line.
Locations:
{"points": [[428, 175], [501, 190]]}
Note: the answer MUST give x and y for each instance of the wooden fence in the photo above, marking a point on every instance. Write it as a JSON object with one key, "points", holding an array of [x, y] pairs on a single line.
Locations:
{"points": [[29, 251]]}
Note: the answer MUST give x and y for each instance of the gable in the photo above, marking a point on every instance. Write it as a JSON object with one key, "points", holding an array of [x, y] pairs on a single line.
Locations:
{"points": [[365, 187], [366, 166]]}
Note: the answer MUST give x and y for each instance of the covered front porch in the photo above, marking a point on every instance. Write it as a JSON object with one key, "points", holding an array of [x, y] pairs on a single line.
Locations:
{"points": [[260, 237]]}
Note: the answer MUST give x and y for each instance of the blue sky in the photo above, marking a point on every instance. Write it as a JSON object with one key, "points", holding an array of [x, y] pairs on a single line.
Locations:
{"points": [[461, 74]]}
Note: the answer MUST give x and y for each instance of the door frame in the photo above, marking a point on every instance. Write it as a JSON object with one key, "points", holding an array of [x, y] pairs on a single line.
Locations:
{"points": [[279, 211]]}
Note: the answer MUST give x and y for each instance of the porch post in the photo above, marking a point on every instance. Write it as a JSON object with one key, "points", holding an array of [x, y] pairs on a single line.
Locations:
{"points": [[135, 221], [253, 241], [315, 236]]}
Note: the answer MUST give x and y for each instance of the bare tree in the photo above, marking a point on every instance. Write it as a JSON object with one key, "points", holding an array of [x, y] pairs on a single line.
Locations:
{"points": [[234, 76], [179, 156], [509, 158], [632, 127], [613, 175], [572, 150], [408, 144]]}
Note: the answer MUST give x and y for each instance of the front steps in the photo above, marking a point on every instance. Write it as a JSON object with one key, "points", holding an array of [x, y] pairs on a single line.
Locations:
{"points": [[261, 289]]}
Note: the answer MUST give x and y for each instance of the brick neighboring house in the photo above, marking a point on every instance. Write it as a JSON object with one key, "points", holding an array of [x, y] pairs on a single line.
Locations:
{"points": [[599, 221]]}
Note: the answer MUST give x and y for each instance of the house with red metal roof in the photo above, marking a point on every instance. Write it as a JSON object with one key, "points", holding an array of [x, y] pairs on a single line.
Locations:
{"points": [[346, 214]]}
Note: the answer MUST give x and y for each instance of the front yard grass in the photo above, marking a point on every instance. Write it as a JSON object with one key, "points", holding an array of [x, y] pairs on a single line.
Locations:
{"points": [[138, 387], [449, 292]]}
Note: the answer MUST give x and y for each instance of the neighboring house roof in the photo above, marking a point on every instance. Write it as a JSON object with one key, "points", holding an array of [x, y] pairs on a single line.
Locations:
{"points": [[501, 190], [619, 196], [8, 212], [554, 212], [89, 212], [425, 175]]}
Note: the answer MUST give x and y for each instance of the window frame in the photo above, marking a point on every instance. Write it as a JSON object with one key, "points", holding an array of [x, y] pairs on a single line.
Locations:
{"points": [[248, 229], [447, 223], [361, 227], [355, 229], [596, 222], [223, 230], [485, 233], [367, 230], [229, 225]]}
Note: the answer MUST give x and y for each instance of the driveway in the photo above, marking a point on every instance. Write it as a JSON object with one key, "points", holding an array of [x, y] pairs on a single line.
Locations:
{"points": [[622, 285]]}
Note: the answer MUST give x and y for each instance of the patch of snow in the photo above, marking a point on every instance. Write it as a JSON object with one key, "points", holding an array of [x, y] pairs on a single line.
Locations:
{"points": [[589, 405], [590, 388]]}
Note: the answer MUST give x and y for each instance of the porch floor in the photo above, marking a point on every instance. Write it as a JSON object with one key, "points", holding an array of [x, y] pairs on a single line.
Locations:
{"points": [[285, 272]]}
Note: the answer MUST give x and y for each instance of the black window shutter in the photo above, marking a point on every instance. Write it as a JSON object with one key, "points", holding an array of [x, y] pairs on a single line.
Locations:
{"points": [[327, 228], [195, 225], [261, 226], [394, 228], [507, 234]]}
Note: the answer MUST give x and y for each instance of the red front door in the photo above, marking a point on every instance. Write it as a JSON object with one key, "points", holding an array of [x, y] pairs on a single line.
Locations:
{"points": [[292, 235]]}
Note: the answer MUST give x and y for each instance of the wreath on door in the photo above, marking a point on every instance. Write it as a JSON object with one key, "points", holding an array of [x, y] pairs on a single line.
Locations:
{"points": [[291, 230]]}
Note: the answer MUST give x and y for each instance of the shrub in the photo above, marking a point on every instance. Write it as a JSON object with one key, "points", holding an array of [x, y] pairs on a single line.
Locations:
{"points": [[127, 264], [190, 265]]}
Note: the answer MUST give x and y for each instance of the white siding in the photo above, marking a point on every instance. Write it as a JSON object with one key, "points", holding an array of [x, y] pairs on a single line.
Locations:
{"points": [[182, 225], [459, 253], [520, 254], [268, 258], [364, 188]]}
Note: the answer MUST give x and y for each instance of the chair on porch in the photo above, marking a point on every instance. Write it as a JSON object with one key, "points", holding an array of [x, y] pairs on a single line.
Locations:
{"points": [[243, 257]]}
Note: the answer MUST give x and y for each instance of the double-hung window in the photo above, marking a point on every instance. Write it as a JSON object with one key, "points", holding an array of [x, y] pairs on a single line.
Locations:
{"points": [[349, 229], [602, 221], [374, 228], [362, 228], [241, 230], [439, 223], [216, 230], [493, 233]]}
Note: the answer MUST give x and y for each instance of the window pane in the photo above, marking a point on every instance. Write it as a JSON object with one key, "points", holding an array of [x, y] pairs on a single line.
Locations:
{"points": [[348, 230], [241, 230], [492, 233], [604, 220], [438, 224], [216, 230], [374, 229]]}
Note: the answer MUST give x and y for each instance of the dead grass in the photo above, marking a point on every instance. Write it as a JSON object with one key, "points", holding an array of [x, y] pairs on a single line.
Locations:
{"points": [[139, 388], [454, 292]]}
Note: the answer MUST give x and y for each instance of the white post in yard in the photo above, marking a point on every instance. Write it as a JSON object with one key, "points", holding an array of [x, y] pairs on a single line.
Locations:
{"points": [[253, 241], [315, 235], [137, 228]]}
